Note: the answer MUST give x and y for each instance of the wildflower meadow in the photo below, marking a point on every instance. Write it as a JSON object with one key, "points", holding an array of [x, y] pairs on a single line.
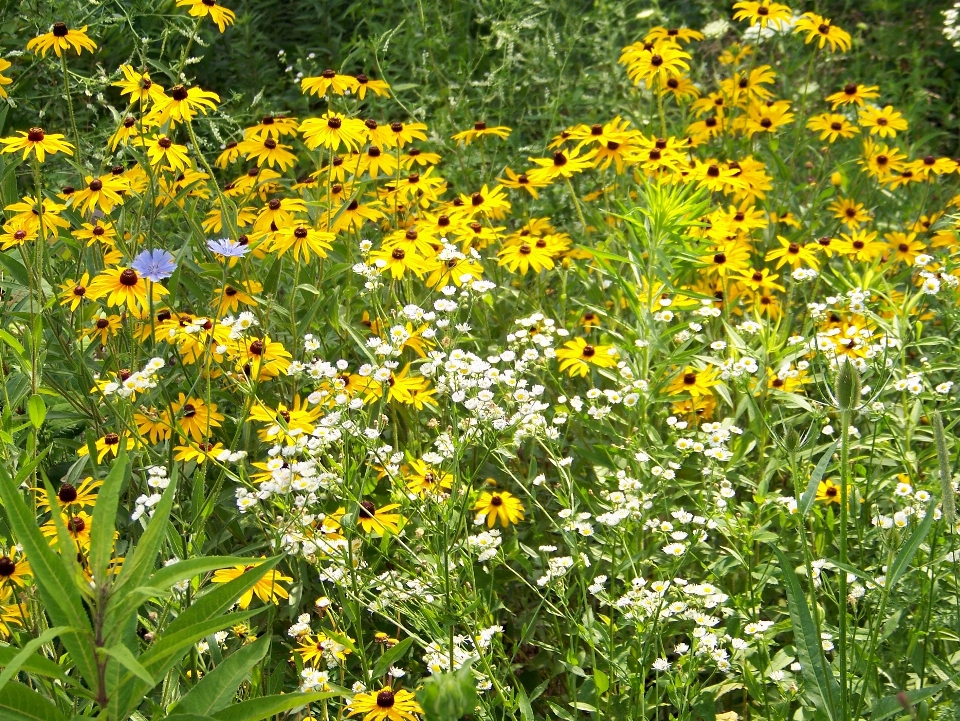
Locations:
{"points": [[479, 360]]}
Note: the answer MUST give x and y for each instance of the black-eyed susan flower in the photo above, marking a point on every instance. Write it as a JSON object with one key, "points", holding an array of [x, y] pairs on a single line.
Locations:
{"points": [[880, 160], [904, 247], [860, 245], [487, 201], [677, 35], [423, 479], [378, 520], [73, 292], [302, 240], [123, 286], [823, 31], [744, 87], [103, 193], [125, 132], [78, 528], [716, 176], [885, 122], [930, 165], [563, 164], [220, 15], [517, 181], [160, 150], [266, 150], [501, 506], [38, 142], [853, 94], [762, 13], [329, 80], [524, 257], [654, 64], [14, 568], [827, 492], [767, 117], [139, 86], [576, 356], [481, 130], [695, 382], [267, 589], [416, 156], [109, 444], [103, 327], [794, 254], [61, 38], [385, 705], [195, 417], [377, 87], [229, 298], [182, 105], [849, 212], [15, 234], [376, 162], [398, 261], [832, 126], [261, 358]]}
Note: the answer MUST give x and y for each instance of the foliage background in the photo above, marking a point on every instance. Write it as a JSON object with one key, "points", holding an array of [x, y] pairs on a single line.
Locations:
{"points": [[536, 65]]}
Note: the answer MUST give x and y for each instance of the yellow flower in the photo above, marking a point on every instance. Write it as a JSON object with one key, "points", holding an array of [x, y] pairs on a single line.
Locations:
{"points": [[267, 150], [202, 8], [139, 86], [261, 358], [820, 28], [762, 13], [182, 105], [828, 492], [78, 528], [103, 327], [767, 117], [860, 245], [849, 212], [653, 64], [832, 126], [73, 292], [385, 705], [4, 80], [123, 286], [378, 520], [794, 254], [331, 130], [885, 123], [302, 240], [103, 193], [379, 87], [198, 452], [37, 141], [268, 588], [286, 422], [425, 480], [853, 93], [329, 80], [525, 256], [904, 247], [480, 130], [161, 149], [561, 165], [695, 382], [61, 38], [576, 356], [522, 180], [108, 444], [14, 568], [500, 506], [196, 418]]}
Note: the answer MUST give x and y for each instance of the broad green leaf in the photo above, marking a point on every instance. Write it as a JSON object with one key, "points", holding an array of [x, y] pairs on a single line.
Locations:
{"points": [[37, 410], [449, 696], [20, 703], [125, 658], [257, 709], [810, 494], [15, 664], [34, 664], [104, 517], [218, 688], [389, 658], [902, 562], [60, 595], [820, 686], [601, 681]]}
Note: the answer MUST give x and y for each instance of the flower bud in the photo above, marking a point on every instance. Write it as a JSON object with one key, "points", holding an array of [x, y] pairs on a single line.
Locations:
{"points": [[848, 387]]}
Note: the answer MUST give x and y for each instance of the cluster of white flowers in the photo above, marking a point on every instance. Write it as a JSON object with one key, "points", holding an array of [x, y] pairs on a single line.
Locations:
{"points": [[711, 440], [313, 680], [238, 326], [145, 505], [136, 382], [557, 567], [486, 544]]}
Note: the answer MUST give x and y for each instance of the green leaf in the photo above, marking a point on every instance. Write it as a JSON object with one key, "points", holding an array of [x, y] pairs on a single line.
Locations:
{"points": [[218, 688], [810, 494], [37, 410], [20, 703], [125, 658], [890, 705], [526, 710], [104, 517], [264, 707], [15, 664], [820, 686], [35, 664], [901, 563], [59, 594], [391, 657], [601, 681]]}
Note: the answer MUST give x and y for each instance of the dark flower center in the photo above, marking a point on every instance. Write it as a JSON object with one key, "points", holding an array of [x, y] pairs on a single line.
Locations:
{"points": [[612, 145], [230, 291], [396, 127], [850, 89], [111, 439], [129, 277], [353, 205], [525, 249], [256, 348], [60, 30], [270, 143], [766, 123], [411, 234], [300, 232], [398, 254], [656, 61], [96, 184], [334, 123], [385, 697], [362, 79], [35, 135], [129, 121], [329, 74], [823, 29], [189, 411], [763, 11], [713, 171], [79, 291], [165, 143], [274, 204], [479, 125], [368, 510], [7, 566], [476, 199], [836, 126], [929, 160], [903, 247], [373, 152], [673, 83], [720, 258], [76, 525], [858, 244], [178, 93], [496, 501], [596, 129], [67, 493], [102, 323], [793, 248], [690, 379], [559, 159], [589, 351]]}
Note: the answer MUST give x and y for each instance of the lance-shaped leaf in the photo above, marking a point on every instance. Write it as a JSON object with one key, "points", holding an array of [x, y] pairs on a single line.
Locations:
{"points": [[218, 688]]}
